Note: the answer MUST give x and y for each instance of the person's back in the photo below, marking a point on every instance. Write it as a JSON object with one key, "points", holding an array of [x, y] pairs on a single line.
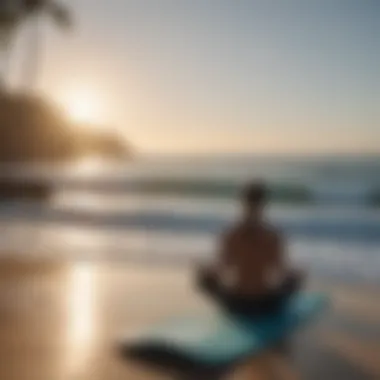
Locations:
{"points": [[253, 254]]}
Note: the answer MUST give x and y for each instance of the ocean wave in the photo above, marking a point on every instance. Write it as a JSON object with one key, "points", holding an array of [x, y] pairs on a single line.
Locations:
{"points": [[292, 193], [374, 198], [171, 221], [196, 188]]}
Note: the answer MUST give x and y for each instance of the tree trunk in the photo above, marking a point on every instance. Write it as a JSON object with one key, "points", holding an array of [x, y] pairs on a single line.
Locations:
{"points": [[32, 63], [5, 57], [4, 68]]}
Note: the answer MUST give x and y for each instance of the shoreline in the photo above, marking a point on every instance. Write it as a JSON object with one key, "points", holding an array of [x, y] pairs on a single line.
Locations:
{"points": [[45, 262]]}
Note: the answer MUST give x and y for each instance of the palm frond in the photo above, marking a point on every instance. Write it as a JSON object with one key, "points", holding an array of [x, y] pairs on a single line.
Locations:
{"points": [[33, 6], [60, 14]]}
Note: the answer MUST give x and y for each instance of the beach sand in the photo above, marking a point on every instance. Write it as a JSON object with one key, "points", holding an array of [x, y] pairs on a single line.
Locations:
{"points": [[61, 320]]}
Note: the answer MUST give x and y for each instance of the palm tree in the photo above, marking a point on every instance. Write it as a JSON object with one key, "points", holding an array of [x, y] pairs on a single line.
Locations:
{"points": [[14, 14], [34, 10], [10, 18]]}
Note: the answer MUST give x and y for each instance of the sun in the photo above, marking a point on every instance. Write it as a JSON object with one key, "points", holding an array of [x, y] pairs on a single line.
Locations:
{"points": [[83, 107]]}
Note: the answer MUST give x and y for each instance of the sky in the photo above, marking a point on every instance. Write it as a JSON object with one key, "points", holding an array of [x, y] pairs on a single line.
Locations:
{"points": [[224, 76]]}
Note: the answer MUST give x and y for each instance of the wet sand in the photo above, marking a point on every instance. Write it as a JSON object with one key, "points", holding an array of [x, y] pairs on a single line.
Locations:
{"points": [[61, 321]]}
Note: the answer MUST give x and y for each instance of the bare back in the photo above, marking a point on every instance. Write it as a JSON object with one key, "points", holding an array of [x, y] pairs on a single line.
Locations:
{"points": [[253, 253]]}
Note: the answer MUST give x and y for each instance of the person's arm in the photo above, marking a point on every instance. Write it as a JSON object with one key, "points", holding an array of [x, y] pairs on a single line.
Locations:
{"points": [[285, 270], [225, 254], [279, 260], [222, 256], [281, 254], [225, 261]]}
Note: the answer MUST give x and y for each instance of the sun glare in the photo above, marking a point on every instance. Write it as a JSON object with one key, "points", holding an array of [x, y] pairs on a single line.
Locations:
{"points": [[83, 107]]}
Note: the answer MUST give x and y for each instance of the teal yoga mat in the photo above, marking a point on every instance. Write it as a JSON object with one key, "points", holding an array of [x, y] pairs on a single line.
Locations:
{"points": [[220, 339]]}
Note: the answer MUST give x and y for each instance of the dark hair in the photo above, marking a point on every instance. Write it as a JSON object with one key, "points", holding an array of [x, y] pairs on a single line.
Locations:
{"points": [[255, 193]]}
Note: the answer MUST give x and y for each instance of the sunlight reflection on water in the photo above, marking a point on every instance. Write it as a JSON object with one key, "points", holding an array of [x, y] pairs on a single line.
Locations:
{"points": [[81, 325]]}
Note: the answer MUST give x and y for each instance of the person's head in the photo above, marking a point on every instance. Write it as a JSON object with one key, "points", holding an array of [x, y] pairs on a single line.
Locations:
{"points": [[254, 199]]}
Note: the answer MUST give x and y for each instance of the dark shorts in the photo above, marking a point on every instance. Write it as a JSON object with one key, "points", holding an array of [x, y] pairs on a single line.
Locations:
{"points": [[267, 304]]}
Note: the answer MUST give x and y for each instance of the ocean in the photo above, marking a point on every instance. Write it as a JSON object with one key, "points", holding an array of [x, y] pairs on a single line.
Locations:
{"points": [[170, 210]]}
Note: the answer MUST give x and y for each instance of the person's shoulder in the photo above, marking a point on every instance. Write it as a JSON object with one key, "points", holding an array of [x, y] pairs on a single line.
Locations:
{"points": [[232, 231], [272, 232]]}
